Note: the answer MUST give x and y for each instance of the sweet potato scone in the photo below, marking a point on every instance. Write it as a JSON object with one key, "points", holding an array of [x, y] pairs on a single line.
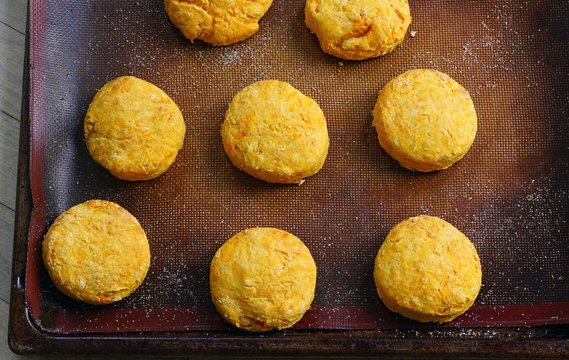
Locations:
{"points": [[134, 129], [96, 252], [263, 279], [425, 120], [358, 29], [275, 133], [218, 22], [427, 270]]}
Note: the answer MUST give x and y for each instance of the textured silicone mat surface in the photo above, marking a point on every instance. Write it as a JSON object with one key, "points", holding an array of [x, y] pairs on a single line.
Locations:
{"points": [[509, 195]]}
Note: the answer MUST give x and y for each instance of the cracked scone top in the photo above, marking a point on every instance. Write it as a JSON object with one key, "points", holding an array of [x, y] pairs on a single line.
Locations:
{"points": [[96, 252], [133, 129], [218, 22], [425, 120], [262, 279], [358, 29], [275, 133], [427, 270]]}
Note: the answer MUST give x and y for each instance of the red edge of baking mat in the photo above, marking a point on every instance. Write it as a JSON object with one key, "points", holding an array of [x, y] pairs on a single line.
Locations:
{"points": [[37, 33], [110, 320], [352, 318]]}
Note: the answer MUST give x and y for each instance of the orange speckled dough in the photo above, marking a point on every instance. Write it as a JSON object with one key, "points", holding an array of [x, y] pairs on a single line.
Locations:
{"points": [[134, 129], [427, 270], [96, 252], [358, 29], [218, 22], [263, 279], [425, 120], [275, 133]]}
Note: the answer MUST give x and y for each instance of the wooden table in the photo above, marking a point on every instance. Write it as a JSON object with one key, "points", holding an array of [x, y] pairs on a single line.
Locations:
{"points": [[12, 44]]}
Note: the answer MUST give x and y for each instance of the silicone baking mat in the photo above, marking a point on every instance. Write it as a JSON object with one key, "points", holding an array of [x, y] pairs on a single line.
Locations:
{"points": [[509, 195]]}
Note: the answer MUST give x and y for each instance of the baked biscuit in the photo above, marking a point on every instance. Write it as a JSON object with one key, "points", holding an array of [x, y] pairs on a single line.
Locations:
{"points": [[96, 252], [262, 279], [218, 22], [275, 133], [425, 120], [133, 129], [427, 270], [358, 29]]}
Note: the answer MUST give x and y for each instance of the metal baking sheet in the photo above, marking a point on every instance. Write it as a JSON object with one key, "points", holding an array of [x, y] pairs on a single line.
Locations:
{"points": [[509, 195]]}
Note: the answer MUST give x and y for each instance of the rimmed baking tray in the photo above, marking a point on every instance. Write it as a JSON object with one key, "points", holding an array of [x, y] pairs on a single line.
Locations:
{"points": [[510, 194]]}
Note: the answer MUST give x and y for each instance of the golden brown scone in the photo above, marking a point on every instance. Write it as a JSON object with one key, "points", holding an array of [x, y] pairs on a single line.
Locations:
{"points": [[133, 129], [275, 133], [358, 29], [262, 279], [96, 252], [218, 22], [427, 270], [425, 120]]}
